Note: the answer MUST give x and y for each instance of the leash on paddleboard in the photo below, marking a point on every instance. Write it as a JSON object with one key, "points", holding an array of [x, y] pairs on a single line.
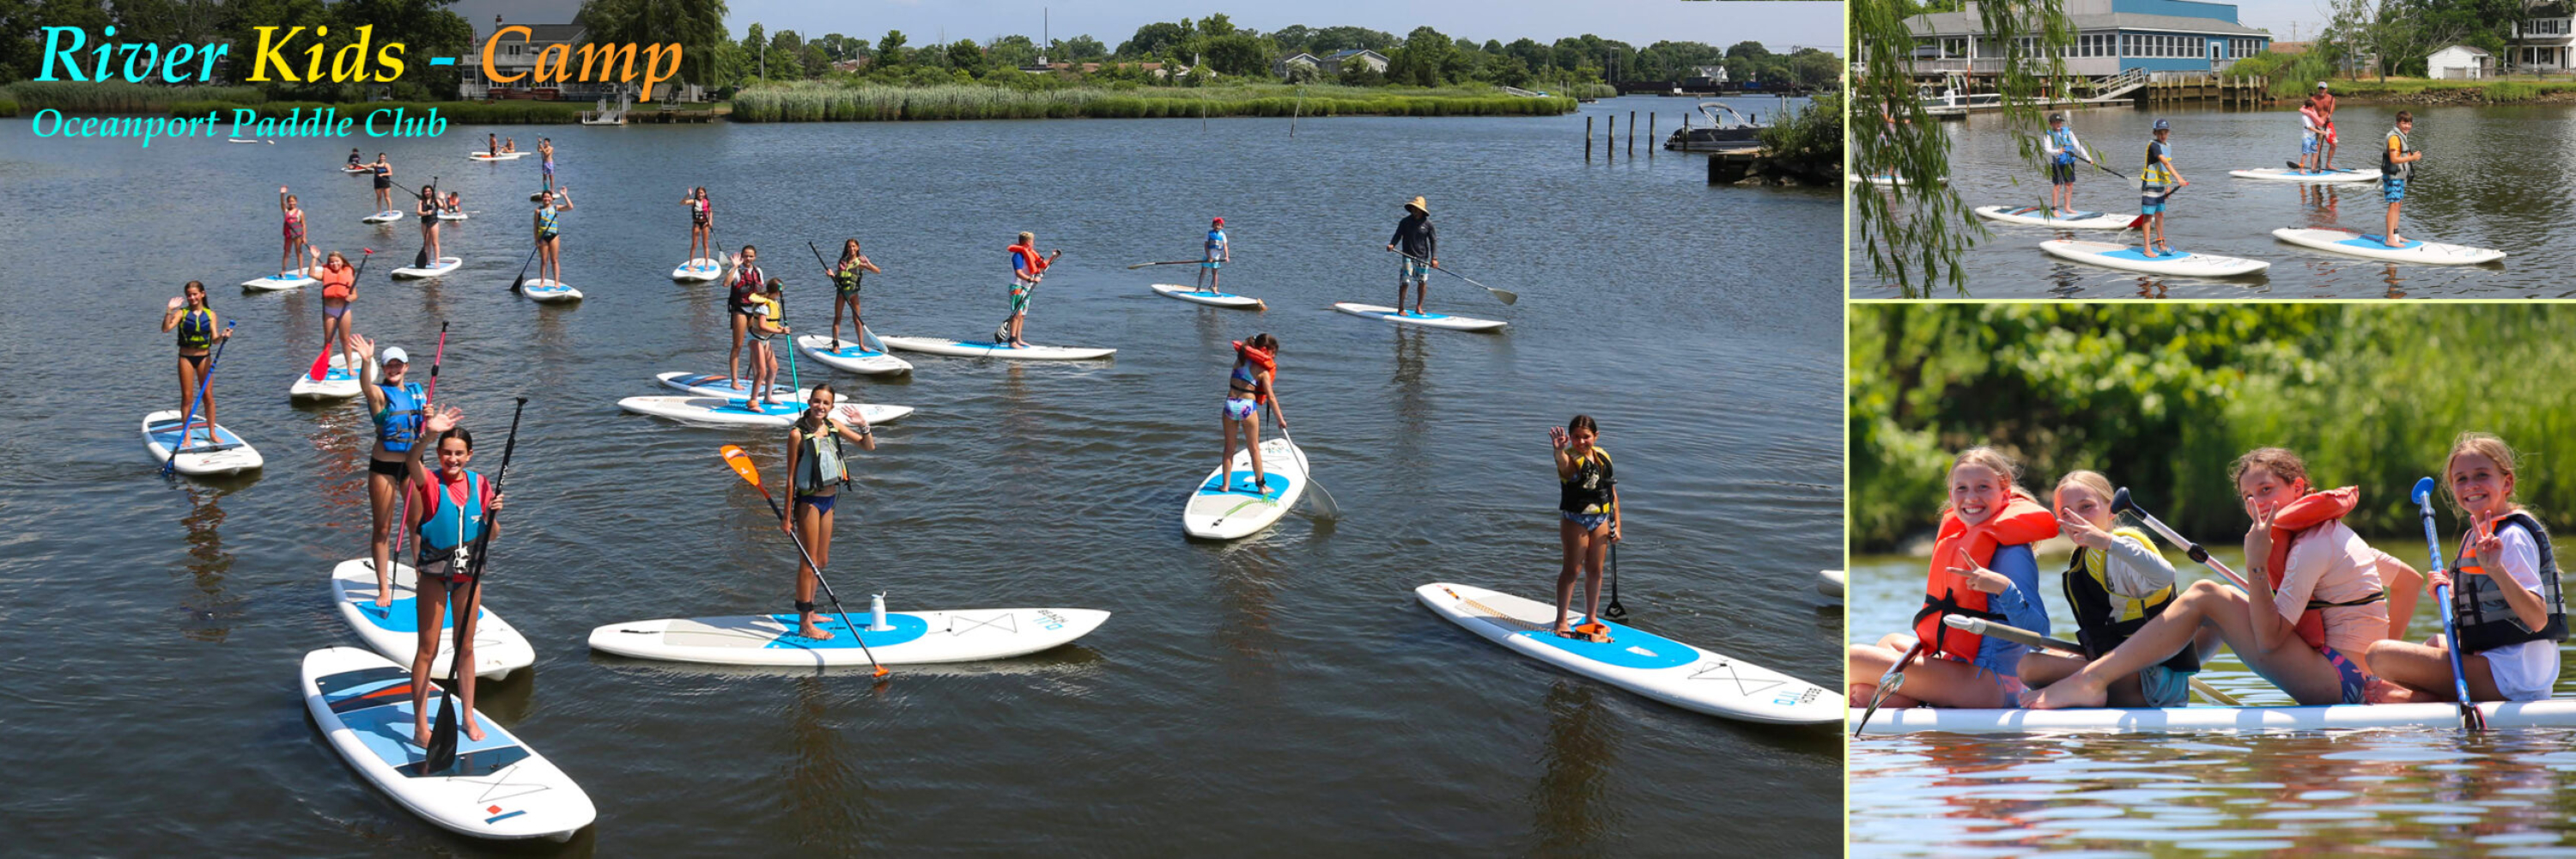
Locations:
{"points": [[2121, 503], [742, 466], [322, 363], [441, 752], [426, 398], [2470, 718], [1507, 296], [1887, 684], [1614, 610], [2027, 638], [171, 465]]}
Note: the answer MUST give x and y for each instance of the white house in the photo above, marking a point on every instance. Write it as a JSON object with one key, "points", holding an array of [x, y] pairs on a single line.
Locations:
{"points": [[2459, 62], [1333, 63], [2543, 45], [514, 59]]}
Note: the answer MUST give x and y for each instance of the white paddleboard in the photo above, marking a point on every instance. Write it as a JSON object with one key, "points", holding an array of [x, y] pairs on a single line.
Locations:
{"points": [[852, 356], [2128, 258], [384, 217], [438, 267], [337, 382], [541, 289], [354, 169], [395, 632], [2059, 218], [1229, 506], [2553, 713], [913, 637], [2375, 246], [1192, 294], [228, 454], [486, 156], [498, 788], [454, 216], [1830, 583], [281, 281], [736, 412], [980, 349], [1428, 320], [1636, 660], [700, 269], [713, 385], [2284, 174]]}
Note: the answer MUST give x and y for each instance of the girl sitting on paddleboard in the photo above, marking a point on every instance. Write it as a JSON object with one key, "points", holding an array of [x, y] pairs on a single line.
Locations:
{"points": [[550, 233], [447, 515], [1027, 268], [1254, 382], [2115, 582], [339, 288], [1587, 504], [765, 325], [741, 306], [2316, 605], [455, 203], [427, 207], [815, 464], [1982, 566], [297, 248], [199, 331], [702, 223], [847, 275], [2505, 598], [384, 171], [355, 160], [397, 407]]}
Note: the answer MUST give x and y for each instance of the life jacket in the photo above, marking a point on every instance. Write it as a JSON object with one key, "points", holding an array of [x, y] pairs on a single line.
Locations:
{"points": [[821, 464], [2021, 522], [196, 328], [453, 526], [398, 426], [2155, 172], [2295, 520], [1589, 490], [2065, 140], [338, 283], [1215, 243], [2103, 617], [1247, 359], [700, 209], [2483, 619], [2388, 165], [847, 276], [546, 226], [1031, 262]]}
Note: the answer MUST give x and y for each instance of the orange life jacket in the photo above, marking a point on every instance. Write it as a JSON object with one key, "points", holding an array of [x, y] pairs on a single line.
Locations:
{"points": [[1265, 362], [2294, 520], [2022, 521], [1028, 254]]}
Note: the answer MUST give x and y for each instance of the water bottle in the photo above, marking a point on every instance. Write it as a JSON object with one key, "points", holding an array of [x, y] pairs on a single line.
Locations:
{"points": [[876, 615]]}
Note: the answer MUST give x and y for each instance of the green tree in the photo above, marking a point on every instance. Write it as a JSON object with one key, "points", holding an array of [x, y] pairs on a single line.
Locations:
{"points": [[1079, 49], [697, 25], [1423, 61], [1156, 39], [966, 56], [890, 50], [1239, 55], [1011, 52]]}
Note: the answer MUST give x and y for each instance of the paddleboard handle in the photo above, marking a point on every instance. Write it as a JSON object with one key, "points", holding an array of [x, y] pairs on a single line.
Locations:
{"points": [[877, 615]]}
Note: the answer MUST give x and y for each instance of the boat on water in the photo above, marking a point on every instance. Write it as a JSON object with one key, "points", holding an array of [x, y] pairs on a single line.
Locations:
{"points": [[1726, 129], [2556, 713]]}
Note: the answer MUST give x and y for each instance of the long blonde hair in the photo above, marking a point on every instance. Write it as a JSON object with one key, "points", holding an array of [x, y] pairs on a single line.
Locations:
{"points": [[1993, 459], [2484, 444]]}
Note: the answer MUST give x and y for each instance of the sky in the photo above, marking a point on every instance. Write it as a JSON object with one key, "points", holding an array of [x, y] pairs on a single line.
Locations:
{"points": [[1781, 25], [2278, 16]]}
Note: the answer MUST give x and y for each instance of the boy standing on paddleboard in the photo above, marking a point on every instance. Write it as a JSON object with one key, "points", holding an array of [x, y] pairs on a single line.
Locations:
{"points": [[1421, 248], [1218, 254], [2062, 149], [2152, 192], [2396, 165]]}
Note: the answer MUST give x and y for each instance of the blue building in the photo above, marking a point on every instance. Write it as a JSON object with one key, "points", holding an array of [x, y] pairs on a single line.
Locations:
{"points": [[2114, 36]]}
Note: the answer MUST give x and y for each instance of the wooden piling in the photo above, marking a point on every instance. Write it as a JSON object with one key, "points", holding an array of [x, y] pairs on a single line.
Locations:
{"points": [[1632, 134], [1650, 137], [1610, 140], [1587, 139]]}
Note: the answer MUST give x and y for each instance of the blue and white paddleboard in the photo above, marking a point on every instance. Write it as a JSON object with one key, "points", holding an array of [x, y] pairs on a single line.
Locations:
{"points": [[908, 637], [436, 268], [983, 349], [714, 385], [2063, 219], [1637, 660], [498, 788], [2127, 258], [1230, 506], [735, 412], [1195, 295], [1428, 320], [384, 217], [2375, 246], [855, 354], [225, 453], [543, 290], [337, 383], [395, 632], [2284, 174], [701, 269], [281, 281]]}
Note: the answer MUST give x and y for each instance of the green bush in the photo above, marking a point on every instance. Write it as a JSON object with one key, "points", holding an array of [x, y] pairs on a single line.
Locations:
{"points": [[815, 101], [459, 112], [7, 107], [99, 97]]}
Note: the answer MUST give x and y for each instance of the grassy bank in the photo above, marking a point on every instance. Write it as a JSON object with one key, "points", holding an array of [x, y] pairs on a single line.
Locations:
{"points": [[461, 112], [117, 96], [825, 102]]}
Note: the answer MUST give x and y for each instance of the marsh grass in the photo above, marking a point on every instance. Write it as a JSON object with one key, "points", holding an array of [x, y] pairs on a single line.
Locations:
{"points": [[828, 102]]}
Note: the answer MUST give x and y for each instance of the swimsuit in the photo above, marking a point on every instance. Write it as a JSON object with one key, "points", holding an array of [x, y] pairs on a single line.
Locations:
{"points": [[393, 468], [295, 226]]}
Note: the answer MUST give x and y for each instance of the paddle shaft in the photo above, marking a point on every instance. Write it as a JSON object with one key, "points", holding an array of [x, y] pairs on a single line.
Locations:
{"points": [[1174, 262], [1507, 297], [1614, 610], [441, 752], [2027, 638], [2121, 501], [1887, 683], [2470, 718], [172, 464], [852, 628]]}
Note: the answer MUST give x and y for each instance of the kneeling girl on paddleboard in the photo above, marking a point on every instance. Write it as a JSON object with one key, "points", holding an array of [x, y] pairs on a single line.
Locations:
{"points": [[1253, 383], [815, 465], [199, 331], [1982, 566], [2115, 582], [847, 276], [447, 516], [1587, 505], [2505, 597]]}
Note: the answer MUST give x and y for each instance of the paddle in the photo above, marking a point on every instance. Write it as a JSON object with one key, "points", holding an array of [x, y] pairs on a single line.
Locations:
{"points": [[1174, 262], [172, 464], [1324, 506], [425, 397], [2121, 503], [1887, 683], [2027, 638], [2470, 718], [322, 362], [421, 259], [1507, 297], [1614, 611], [441, 752], [522, 279], [742, 465]]}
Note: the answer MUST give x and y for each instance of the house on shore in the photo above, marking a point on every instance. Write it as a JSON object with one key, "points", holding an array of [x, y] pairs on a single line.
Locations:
{"points": [[1332, 63], [2113, 37], [2460, 63], [2542, 45], [515, 61]]}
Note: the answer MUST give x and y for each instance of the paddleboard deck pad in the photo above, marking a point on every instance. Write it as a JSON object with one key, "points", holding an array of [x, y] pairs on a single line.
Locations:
{"points": [[1636, 660], [714, 385], [2126, 258], [2375, 246], [1427, 320], [1192, 294], [852, 356], [2284, 174], [543, 290], [2059, 218], [1230, 506], [2555, 713], [914, 637], [498, 788], [980, 349], [737, 412], [395, 631], [226, 454], [337, 382], [441, 267]]}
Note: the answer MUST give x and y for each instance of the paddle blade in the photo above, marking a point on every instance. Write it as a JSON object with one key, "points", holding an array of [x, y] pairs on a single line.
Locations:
{"points": [[1507, 297], [321, 364], [2120, 502], [2136, 222], [1138, 266], [1324, 508], [742, 465], [441, 752], [2423, 490]]}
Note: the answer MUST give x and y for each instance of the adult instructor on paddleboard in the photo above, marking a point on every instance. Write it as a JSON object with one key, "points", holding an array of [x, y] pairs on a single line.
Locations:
{"points": [[816, 469], [2325, 127], [1420, 245]]}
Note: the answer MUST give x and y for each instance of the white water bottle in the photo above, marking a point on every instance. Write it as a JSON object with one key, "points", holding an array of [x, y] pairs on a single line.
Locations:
{"points": [[876, 615]]}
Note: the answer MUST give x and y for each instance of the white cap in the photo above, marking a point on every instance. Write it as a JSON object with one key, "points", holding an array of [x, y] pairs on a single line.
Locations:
{"points": [[394, 353], [2321, 84]]}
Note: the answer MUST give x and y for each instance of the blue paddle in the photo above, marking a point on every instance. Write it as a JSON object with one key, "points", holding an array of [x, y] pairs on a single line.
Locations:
{"points": [[2470, 718], [172, 464]]}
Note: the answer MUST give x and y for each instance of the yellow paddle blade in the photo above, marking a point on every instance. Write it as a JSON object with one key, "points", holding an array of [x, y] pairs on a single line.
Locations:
{"points": [[741, 463]]}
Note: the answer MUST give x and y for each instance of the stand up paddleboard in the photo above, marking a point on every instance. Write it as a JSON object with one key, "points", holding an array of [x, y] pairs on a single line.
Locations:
{"points": [[909, 638], [285, 280], [2284, 174], [454, 216], [713, 385], [337, 382], [440, 267], [2126, 258], [355, 170], [384, 217], [2059, 218], [550, 292], [735, 412], [979, 349], [853, 356], [1193, 295], [1427, 320], [1886, 180], [2554, 713], [700, 269], [486, 156], [395, 631], [498, 787], [1229, 506], [228, 454], [2375, 246], [1830, 583], [1637, 660]]}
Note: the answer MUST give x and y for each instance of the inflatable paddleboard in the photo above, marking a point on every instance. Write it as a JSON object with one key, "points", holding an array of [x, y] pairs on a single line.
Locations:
{"points": [[1637, 660], [2375, 246], [440, 267], [541, 289], [337, 382], [852, 356], [2284, 174], [2059, 218], [1192, 294], [714, 385], [281, 281], [979, 349], [2129, 258], [395, 632], [700, 269], [1428, 320], [1830, 583], [498, 788], [911, 638], [227, 454], [1229, 506], [735, 412], [384, 217]]}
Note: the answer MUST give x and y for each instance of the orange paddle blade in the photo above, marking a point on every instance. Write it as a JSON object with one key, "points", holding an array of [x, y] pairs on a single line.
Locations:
{"points": [[321, 364], [742, 465]]}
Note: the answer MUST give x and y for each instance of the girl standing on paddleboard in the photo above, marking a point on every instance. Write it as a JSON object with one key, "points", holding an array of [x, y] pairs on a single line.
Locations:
{"points": [[2316, 606], [2115, 582], [427, 207], [1982, 566], [2505, 597], [847, 275], [702, 223], [550, 233], [339, 288], [1253, 383], [1217, 254], [814, 462], [767, 323], [740, 304], [199, 330], [1587, 505], [1027, 268], [296, 247], [447, 515], [384, 171], [2152, 192], [398, 407]]}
